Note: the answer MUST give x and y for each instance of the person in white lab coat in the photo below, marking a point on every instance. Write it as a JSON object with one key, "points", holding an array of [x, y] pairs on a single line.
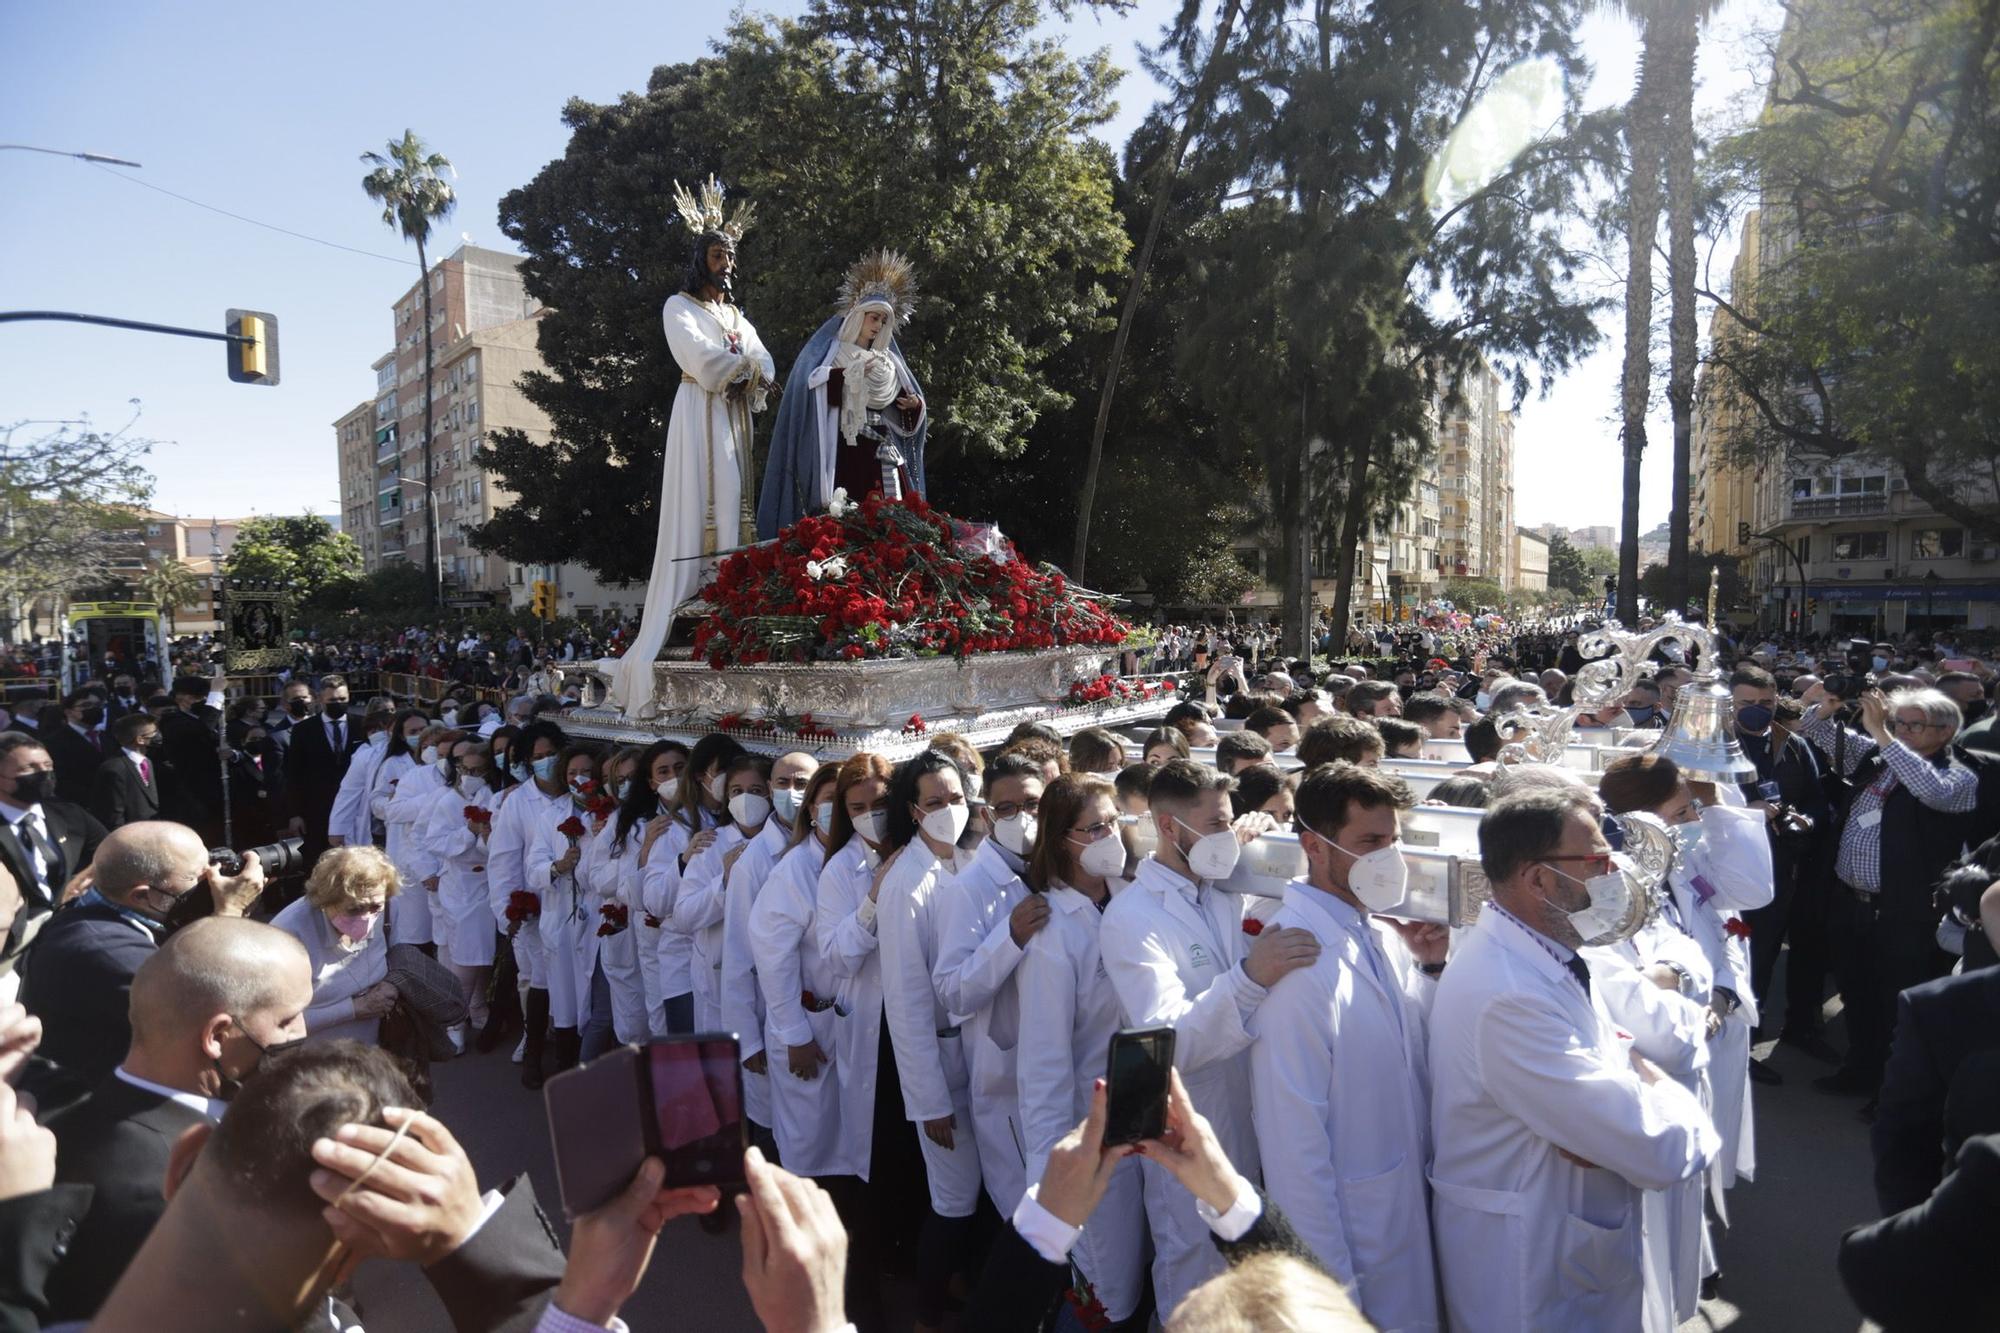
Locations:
{"points": [[697, 906], [1068, 1015], [798, 989], [1174, 948], [457, 843], [527, 806], [986, 917], [643, 819], [1339, 1078], [409, 809], [617, 994], [736, 978], [698, 811], [927, 815], [351, 822], [409, 920], [1546, 1128], [552, 865]]}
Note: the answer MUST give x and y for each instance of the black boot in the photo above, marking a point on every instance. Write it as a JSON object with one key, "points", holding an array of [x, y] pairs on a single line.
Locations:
{"points": [[536, 1017], [567, 1044]]}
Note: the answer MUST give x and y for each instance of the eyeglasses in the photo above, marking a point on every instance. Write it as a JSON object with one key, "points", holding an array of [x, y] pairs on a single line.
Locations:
{"points": [[1092, 832], [1921, 724], [1009, 809], [1600, 862]]}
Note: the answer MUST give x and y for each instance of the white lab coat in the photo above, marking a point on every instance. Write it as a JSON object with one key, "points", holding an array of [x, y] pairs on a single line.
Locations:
{"points": [[465, 921], [1068, 1014], [1172, 948], [351, 817], [736, 977], [410, 911], [1341, 1086], [568, 924], [974, 977], [1524, 1066], [844, 925], [805, 1113], [659, 886], [523, 809], [645, 930], [925, 1036], [696, 912], [603, 873]]}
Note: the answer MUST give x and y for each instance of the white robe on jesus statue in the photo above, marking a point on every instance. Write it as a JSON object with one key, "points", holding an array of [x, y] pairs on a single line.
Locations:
{"points": [[705, 483]]}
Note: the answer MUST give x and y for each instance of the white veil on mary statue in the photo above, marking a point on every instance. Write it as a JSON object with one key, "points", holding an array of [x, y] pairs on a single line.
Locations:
{"points": [[847, 417]]}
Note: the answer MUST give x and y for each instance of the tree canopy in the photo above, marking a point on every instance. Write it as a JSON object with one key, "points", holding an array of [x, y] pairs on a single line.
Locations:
{"points": [[304, 549]]}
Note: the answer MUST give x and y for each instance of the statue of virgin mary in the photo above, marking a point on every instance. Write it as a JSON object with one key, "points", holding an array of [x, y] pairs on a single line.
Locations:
{"points": [[853, 417]]}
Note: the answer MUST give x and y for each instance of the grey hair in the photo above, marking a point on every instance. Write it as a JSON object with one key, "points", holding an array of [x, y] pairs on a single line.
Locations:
{"points": [[1938, 707], [1516, 694], [1511, 778]]}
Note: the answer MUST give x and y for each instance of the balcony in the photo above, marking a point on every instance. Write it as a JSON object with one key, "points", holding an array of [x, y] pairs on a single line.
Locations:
{"points": [[1839, 506]]}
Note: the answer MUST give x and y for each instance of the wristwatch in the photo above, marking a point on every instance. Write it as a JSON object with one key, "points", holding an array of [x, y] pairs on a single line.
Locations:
{"points": [[1431, 969], [1686, 982]]}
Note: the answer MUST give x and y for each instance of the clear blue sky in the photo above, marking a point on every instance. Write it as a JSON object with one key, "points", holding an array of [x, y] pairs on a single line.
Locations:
{"points": [[265, 110]]}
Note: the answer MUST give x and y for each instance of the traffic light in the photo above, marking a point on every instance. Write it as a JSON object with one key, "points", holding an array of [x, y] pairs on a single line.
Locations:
{"points": [[254, 361], [1742, 534], [542, 603]]}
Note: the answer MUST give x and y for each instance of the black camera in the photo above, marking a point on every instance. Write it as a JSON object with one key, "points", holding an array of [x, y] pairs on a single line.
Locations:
{"points": [[283, 857]]}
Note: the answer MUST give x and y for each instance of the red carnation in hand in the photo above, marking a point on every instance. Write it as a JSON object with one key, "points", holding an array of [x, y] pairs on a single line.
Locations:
{"points": [[1252, 926], [522, 907], [616, 917], [479, 814], [1737, 927], [571, 828]]}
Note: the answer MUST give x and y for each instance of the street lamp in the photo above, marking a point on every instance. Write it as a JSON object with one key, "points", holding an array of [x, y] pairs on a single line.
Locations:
{"points": [[64, 152], [437, 540]]}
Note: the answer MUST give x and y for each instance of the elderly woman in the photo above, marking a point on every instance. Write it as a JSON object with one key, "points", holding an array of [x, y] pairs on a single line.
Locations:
{"points": [[340, 920]]}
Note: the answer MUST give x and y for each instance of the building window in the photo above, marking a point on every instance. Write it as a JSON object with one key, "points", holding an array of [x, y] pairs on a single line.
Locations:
{"points": [[1860, 546], [1937, 544]]}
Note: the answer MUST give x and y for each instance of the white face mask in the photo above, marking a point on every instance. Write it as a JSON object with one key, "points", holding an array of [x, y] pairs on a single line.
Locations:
{"points": [[379, 739], [823, 818], [947, 822], [442, 763], [1016, 832], [869, 826], [1380, 879], [748, 809], [472, 785], [668, 790], [716, 786], [1482, 701], [1686, 838], [1213, 855], [1605, 920], [1103, 858], [785, 800]]}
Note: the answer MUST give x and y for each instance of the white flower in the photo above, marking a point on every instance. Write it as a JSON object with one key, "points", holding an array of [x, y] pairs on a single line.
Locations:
{"points": [[831, 569], [839, 504]]}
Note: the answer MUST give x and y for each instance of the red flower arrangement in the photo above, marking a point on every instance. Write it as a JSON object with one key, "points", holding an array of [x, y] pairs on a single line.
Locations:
{"points": [[915, 725], [1252, 926], [522, 907], [1737, 928], [616, 917], [571, 828], [890, 579], [1108, 688], [601, 806]]}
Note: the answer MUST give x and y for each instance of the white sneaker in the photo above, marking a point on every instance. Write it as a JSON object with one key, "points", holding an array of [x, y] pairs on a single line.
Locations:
{"points": [[457, 1035], [521, 1051]]}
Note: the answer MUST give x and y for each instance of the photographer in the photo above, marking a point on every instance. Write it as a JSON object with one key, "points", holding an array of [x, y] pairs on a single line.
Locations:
{"points": [[1908, 810]]}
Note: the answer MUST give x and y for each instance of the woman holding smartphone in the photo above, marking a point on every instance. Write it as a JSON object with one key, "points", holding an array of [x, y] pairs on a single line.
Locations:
{"points": [[1069, 1013], [696, 809]]}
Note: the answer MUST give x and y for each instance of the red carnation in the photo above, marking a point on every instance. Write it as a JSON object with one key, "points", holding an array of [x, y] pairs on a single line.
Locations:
{"points": [[1737, 927], [479, 814], [616, 917], [571, 828], [1252, 926], [522, 907]]}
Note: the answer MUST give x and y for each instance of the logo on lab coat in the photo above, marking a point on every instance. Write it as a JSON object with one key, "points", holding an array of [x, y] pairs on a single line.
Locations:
{"points": [[1198, 956]]}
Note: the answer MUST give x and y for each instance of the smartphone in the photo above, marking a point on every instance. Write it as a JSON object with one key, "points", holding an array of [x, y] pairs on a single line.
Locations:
{"points": [[679, 1099], [1136, 1078]]}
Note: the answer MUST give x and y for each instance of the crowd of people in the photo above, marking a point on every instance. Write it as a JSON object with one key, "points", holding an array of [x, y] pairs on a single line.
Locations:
{"points": [[220, 1063]]}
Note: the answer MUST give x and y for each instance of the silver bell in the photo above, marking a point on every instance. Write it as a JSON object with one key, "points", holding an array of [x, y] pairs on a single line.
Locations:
{"points": [[1701, 734]]}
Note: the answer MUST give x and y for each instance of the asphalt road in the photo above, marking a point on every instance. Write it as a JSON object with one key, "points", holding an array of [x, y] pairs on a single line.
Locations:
{"points": [[1777, 1258]]}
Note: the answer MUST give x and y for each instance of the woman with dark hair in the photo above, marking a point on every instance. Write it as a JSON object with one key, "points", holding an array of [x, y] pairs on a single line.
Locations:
{"points": [[697, 907], [401, 762], [551, 862], [502, 743], [641, 821], [1264, 787], [1164, 744], [618, 1011], [1069, 1012], [693, 814], [1721, 868], [927, 814]]}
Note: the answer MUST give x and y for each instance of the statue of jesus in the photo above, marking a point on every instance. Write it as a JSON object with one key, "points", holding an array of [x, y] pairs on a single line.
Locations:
{"points": [[705, 484]]}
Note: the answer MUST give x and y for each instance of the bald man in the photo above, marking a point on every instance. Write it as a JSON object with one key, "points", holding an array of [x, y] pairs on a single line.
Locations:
{"points": [[206, 1007], [79, 974]]}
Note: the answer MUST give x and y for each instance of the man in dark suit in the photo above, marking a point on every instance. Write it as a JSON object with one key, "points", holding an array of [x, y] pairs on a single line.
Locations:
{"points": [[76, 745], [45, 842], [191, 740], [1942, 1027], [127, 786], [79, 975], [295, 706], [125, 696], [205, 1009], [315, 761]]}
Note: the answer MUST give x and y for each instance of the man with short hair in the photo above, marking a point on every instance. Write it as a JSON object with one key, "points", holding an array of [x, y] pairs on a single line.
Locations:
{"points": [[1374, 698], [316, 759], [127, 785], [295, 705], [206, 1007], [1176, 952], [1279, 728], [1341, 737], [1545, 1129], [1238, 750], [1512, 695], [76, 744], [79, 977], [1338, 1073], [1436, 714], [46, 842], [1642, 705], [191, 740]]}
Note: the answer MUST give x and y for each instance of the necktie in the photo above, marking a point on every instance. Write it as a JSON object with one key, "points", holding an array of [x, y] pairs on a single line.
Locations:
{"points": [[1580, 970], [339, 736], [146, 772]]}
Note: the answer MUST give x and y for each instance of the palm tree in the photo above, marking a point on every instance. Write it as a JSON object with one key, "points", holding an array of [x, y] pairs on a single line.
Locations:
{"points": [[409, 182], [1659, 133], [173, 585]]}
